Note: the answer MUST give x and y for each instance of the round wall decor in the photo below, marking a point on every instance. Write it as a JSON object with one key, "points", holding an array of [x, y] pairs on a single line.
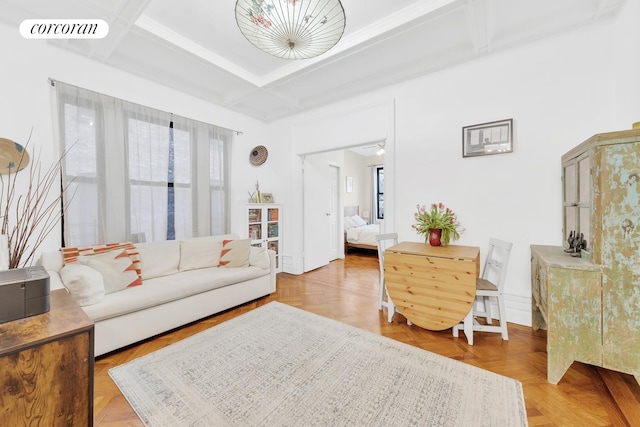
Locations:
{"points": [[13, 156], [258, 155]]}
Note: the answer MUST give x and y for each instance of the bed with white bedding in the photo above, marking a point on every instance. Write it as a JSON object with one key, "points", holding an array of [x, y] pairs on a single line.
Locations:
{"points": [[357, 233]]}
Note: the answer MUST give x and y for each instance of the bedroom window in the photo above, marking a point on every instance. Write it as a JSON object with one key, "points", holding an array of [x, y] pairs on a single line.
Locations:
{"points": [[379, 192], [139, 171]]}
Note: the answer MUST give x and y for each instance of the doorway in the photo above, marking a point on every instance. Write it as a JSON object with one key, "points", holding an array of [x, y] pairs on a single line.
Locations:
{"points": [[324, 194]]}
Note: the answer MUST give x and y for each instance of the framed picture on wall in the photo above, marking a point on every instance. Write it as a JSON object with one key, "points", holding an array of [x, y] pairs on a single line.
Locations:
{"points": [[487, 138], [349, 184]]}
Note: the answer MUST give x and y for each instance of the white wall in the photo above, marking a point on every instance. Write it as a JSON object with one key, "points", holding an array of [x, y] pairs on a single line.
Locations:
{"points": [[559, 91], [25, 104], [355, 166], [626, 65]]}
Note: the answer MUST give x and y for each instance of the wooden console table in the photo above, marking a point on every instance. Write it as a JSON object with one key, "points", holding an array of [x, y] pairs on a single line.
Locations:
{"points": [[46, 367], [433, 286]]}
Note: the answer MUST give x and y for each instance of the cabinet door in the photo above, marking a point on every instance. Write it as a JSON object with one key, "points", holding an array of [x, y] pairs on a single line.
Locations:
{"points": [[619, 208], [574, 320], [49, 384], [577, 198]]}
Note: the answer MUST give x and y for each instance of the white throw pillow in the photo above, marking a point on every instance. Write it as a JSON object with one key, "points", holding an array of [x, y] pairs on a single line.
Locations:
{"points": [[348, 223], [202, 252], [158, 258], [83, 283], [117, 269], [259, 257], [235, 253], [357, 219]]}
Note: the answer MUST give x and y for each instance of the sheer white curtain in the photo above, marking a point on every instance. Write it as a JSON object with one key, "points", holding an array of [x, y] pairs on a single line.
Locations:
{"points": [[136, 170]]}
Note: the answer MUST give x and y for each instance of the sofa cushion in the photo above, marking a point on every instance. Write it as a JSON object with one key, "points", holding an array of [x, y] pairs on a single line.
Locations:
{"points": [[202, 252], [235, 253], [85, 284], [259, 257], [116, 268], [71, 255], [158, 258], [165, 289]]}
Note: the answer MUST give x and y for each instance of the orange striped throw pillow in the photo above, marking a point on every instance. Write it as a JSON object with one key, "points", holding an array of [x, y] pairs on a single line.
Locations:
{"points": [[116, 269], [235, 253], [70, 255]]}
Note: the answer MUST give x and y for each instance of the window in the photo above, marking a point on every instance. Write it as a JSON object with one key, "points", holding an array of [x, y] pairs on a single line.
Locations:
{"points": [[379, 191], [135, 171]]}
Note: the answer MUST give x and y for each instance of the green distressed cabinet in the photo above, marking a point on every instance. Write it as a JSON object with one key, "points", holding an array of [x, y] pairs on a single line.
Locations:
{"points": [[567, 302], [590, 306]]}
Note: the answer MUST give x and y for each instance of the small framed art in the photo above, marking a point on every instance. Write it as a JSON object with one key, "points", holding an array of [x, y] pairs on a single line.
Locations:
{"points": [[267, 198], [349, 184], [487, 138]]}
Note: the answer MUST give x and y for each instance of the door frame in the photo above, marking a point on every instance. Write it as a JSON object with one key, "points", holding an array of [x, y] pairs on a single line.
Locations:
{"points": [[389, 160]]}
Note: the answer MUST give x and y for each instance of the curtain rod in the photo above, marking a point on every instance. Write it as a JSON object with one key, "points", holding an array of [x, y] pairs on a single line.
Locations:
{"points": [[52, 82]]}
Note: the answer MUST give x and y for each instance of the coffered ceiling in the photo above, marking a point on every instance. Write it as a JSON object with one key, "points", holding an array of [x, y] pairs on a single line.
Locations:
{"points": [[195, 46]]}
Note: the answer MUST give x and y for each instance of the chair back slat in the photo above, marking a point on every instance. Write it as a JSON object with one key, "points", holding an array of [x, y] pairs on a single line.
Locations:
{"points": [[495, 267], [384, 241]]}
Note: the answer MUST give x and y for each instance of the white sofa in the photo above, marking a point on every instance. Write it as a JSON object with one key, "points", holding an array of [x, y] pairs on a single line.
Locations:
{"points": [[181, 283]]}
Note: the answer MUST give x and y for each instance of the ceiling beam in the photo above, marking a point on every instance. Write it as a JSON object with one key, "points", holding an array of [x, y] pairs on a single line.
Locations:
{"points": [[481, 24], [124, 18]]}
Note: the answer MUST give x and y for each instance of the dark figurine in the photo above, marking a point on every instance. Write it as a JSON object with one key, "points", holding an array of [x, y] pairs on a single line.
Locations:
{"points": [[579, 244], [576, 244], [571, 239]]}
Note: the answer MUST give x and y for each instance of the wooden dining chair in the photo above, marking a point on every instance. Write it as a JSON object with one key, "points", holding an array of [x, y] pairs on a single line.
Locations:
{"points": [[488, 287]]}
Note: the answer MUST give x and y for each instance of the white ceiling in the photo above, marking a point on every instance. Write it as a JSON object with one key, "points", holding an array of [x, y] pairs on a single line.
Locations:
{"points": [[195, 46]]}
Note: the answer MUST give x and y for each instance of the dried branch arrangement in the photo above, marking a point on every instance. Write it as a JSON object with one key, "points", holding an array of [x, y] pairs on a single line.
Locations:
{"points": [[28, 218]]}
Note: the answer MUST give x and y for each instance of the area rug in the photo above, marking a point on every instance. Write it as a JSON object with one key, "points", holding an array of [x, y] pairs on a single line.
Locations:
{"points": [[281, 366]]}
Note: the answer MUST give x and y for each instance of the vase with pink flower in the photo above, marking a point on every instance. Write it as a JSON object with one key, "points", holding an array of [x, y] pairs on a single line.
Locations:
{"points": [[438, 224]]}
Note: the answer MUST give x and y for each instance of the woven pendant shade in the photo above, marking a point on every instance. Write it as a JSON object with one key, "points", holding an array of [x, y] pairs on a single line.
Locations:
{"points": [[291, 29]]}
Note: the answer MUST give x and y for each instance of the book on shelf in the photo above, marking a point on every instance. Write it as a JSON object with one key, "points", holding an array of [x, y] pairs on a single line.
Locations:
{"points": [[272, 229], [255, 232], [254, 215]]}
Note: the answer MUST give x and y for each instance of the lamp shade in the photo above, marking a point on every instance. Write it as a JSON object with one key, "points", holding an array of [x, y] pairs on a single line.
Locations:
{"points": [[291, 29]]}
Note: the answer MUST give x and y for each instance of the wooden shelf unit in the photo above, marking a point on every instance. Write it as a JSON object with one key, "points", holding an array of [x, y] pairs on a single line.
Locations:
{"points": [[264, 227]]}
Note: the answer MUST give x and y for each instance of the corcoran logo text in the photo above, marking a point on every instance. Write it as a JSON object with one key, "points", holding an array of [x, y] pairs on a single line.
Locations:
{"points": [[64, 29]]}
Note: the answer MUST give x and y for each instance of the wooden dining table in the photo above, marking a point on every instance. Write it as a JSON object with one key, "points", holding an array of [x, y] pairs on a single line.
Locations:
{"points": [[432, 286]]}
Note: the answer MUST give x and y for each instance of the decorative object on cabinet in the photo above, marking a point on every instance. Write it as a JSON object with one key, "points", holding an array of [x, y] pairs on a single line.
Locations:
{"points": [[258, 155], [292, 29], [585, 303], [266, 198], [487, 138], [577, 244], [263, 227], [13, 156], [47, 366]]}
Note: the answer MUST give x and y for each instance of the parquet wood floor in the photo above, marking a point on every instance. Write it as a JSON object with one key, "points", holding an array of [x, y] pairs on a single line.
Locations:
{"points": [[346, 290]]}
